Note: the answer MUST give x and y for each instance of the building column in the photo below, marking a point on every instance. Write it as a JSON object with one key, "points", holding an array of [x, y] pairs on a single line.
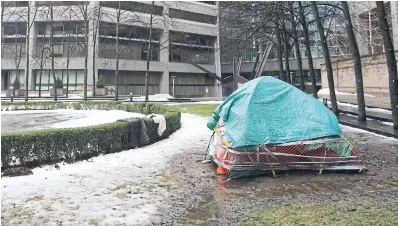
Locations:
{"points": [[217, 57], [394, 22], [32, 47], [92, 7], [164, 86]]}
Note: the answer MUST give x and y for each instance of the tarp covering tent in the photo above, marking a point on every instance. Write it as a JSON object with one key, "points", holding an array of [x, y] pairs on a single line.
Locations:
{"points": [[269, 124], [267, 110]]}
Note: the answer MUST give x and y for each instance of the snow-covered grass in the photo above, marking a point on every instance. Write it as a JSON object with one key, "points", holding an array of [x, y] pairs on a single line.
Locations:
{"points": [[326, 91], [120, 188], [376, 110], [62, 118]]}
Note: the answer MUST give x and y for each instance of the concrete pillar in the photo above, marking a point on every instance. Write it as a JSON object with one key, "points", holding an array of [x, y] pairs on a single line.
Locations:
{"points": [[92, 8], [164, 85], [32, 46], [394, 22]]}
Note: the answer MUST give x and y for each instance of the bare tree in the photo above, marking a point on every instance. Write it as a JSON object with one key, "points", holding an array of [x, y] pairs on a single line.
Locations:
{"points": [[149, 54], [326, 55], [286, 51], [297, 47], [95, 28], [308, 48], [357, 62], [391, 61], [117, 50], [52, 50]]}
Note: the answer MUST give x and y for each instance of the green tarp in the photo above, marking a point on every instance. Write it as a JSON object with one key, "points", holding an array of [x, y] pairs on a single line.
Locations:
{"points": [[267, 110]]}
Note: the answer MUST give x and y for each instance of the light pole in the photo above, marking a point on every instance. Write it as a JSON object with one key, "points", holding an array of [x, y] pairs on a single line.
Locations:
{"points": [[173, 77]]}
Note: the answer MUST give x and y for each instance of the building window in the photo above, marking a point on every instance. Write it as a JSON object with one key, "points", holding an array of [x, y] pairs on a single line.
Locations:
{"points": [[14, 28], [76, 79], [12, 75], [191, 48], [15, 3], [134, 7], [197, 17], [190, 85]]}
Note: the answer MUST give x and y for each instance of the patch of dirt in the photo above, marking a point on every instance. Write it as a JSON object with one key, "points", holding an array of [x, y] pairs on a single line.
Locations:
{"points": [[200, 197]]}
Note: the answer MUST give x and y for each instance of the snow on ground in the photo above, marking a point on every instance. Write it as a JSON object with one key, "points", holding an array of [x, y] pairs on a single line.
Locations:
{"points": [[90, 118], [377, 110], [119, 188], [326, 91], [96, 117], [348, 129]]}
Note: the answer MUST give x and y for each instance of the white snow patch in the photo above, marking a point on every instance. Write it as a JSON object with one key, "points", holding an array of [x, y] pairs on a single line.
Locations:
{"points": [[326, 91], [88, 190], [96, 117], [356, 130], [91, 117], [378, 110]]}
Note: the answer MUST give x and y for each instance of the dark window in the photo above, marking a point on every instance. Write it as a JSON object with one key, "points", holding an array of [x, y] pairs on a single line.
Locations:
{"points": [[15, 3], [60, 3], [134, 7], [208, 2], [133, 32], [14, 28], [185, 15]]}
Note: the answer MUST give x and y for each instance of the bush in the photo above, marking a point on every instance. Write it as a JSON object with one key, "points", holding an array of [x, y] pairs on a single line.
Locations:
{"points": [[58, 84], [100, 83], [50, 146], [16, 84]]}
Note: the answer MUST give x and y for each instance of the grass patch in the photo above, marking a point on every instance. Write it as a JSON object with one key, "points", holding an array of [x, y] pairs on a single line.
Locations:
{"points": [[120, 195], [35, 198], [204, 110], [94, 222], [343, 212]]}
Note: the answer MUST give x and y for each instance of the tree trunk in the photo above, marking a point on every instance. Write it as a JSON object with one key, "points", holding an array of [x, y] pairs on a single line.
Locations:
{"points": [[328, 62], [27, 54], [391, 61], [149, 55], [41, 73], [85, 51], [67, 69], [297, 48], [357, 63], [286, 51], [280, 51], [52, 50], [117, 55], [308, 48]]}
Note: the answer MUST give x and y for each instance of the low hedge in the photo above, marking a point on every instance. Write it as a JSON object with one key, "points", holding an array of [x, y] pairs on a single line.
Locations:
{"points": [[69, 144]]}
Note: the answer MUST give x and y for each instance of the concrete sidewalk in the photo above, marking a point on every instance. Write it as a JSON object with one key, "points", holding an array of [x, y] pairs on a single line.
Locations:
{"points": [[374, 102]]}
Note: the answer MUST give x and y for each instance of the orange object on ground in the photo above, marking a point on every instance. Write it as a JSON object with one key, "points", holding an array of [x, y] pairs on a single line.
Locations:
{"points": [[222, 170]]}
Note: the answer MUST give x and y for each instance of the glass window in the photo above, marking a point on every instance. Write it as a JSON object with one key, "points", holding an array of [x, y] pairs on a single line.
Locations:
{"points": [[80, 77], [197, 17]]}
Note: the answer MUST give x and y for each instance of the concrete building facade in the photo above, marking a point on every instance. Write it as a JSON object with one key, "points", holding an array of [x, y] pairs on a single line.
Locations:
{"points": [[183, 32]]}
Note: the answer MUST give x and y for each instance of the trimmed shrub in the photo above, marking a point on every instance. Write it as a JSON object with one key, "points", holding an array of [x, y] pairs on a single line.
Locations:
{"points": [[50, 146], [16, 84], [100, 83], [58, 83]]}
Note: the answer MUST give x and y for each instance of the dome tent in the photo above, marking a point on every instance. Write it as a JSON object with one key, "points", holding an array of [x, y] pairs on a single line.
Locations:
{"points": [[267, 110], [268, 124]]}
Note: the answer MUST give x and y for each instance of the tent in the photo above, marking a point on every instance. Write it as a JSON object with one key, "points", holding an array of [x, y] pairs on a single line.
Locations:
{"points": [[270, 124]]}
